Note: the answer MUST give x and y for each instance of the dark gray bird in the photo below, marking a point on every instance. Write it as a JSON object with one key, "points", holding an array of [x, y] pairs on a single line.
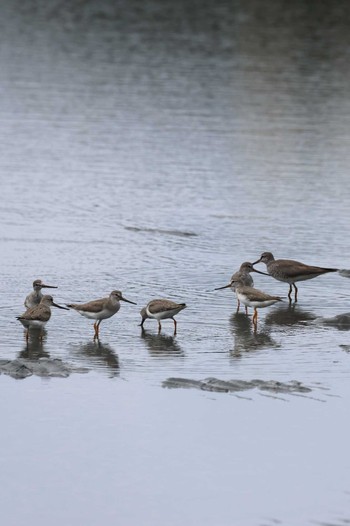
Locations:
{"points": [[291, 271]]}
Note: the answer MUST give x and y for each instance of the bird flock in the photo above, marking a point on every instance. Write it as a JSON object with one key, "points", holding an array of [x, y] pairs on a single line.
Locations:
{"points": [[38, 311], [38, 306], [286, 270]]}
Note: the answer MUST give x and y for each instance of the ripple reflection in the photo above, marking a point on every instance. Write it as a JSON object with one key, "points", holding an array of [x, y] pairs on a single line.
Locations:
{"points": [[98, 355], [33, 349], [246, 338], [287, 315], [161, 345]]}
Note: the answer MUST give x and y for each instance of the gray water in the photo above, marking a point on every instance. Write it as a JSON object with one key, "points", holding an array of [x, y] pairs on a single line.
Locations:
{"points": [[152, 148]]}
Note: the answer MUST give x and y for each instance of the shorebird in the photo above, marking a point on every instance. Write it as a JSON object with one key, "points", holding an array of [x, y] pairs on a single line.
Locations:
{"points": [[38, 316], [161, 309], [243, 277], [100, 309], [291, 271], [255, 298], [35, 297]]}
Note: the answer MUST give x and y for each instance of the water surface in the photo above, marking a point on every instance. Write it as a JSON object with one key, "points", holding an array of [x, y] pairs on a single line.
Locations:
{"points": [[152, 148]]}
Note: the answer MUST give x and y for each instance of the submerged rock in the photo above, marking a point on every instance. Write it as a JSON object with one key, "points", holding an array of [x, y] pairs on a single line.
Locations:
{"points": [[44, 367], [344, 272], [341, 321], [15, 368]]}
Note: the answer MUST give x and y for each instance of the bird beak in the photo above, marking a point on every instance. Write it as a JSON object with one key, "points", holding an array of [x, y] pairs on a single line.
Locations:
{"points": [[258, 271], [225, 287], [59, 306], [128, 301], [255, 262], [48, 287]]}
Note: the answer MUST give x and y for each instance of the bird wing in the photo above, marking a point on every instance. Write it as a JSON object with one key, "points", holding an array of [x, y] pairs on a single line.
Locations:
{"points": [[91, 306], [258, 295], [156, 306], [294, 269], [40, 313]]}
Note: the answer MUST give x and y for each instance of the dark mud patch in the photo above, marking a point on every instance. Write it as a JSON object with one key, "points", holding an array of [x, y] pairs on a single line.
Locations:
{"points": [[234, 386], [179, 233]]}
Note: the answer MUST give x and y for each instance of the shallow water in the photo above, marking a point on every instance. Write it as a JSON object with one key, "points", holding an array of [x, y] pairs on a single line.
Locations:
{"points": [[152, 148]]}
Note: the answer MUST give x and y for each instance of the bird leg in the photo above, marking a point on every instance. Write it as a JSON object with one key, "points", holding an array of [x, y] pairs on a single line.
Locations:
{"points": [[159, 327], [246, 310], [27, 335], [96, 327], [238, 305], [290, 292], [255, 317], [296, 292], [175, 324]]}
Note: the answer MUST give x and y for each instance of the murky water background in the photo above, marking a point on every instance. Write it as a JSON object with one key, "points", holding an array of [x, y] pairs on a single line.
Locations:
{"points": [[152, 148]]}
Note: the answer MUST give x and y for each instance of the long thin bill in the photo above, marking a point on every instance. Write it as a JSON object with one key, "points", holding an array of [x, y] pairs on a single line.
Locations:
{"points": [[225, 287], [59, 306], [259, 272], [128, 301]]}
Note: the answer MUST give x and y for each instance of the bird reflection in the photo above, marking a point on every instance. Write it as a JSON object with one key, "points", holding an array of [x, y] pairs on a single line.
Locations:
{"points": [[98, 354], [161, 344], [288, 315], [246, 338], [34, 346]]}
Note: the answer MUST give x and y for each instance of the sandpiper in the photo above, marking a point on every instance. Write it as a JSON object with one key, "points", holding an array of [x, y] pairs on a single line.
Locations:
{"points": [[251, 297], [161, 309], [243, 277], [39, 315], [290, 271], [35, 297], [100, 309]]}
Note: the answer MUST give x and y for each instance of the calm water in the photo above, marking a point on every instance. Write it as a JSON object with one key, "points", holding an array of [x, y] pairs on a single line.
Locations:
{"points": [[152, 148]]}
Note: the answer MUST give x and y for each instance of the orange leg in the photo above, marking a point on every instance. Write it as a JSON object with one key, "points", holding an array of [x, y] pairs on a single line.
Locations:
{"points": [[255, 317], [96, 327]]}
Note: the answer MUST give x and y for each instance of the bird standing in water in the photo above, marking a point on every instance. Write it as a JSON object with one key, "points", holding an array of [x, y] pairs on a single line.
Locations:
{"points": [[100, 309], [290, 271], [39, 315], [255, 298], [161, 309], [243, 277]]}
